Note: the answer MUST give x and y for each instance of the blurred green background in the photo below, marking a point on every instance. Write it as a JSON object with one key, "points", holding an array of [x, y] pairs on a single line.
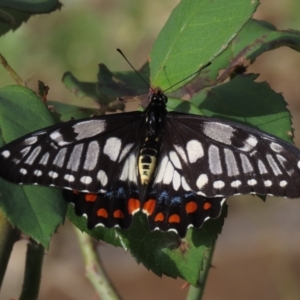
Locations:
{"points": [[258, 254]]}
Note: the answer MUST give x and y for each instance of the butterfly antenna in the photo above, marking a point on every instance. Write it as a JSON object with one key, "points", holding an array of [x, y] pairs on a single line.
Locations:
{"points": [[120, 51], [203, 67]]}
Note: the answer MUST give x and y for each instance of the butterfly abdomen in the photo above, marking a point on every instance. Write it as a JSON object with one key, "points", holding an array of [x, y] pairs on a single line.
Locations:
{"points": [[148, 158], [155, 120]]}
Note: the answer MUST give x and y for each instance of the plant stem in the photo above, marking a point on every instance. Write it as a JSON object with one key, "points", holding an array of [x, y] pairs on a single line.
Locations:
{"points": [[196, 293], [8, 236], [11, 71], [94, 271], [33, 270]]}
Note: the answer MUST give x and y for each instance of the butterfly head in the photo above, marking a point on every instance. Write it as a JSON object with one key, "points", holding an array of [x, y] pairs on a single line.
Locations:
{"points": [[158, 97]]}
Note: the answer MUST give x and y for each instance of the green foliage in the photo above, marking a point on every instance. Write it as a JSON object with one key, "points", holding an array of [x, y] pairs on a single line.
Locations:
{"points": [[14, 12], [36, 211], [195, 33]]}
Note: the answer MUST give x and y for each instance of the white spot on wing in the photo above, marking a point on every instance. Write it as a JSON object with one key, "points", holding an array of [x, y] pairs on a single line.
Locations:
{"points": [[236, 183], [268, 183], [181, 153], [86, 179], [246, 165], [133, 173], [194, 150], [282, 160], [184, 184], [33, 155], [91, 156], [202, 181], [25, 151], [168, 176], [249, 143], [276, 147], [38, 173], [275, 168], [161, 170], [31, 140], [5, 154], [102, 177], [58, 138], [44, 159], [53, 174], [60, 157], [219, 184], [112, 148], [283, 183], [129, 171], [176, 181], [125, 150], [219, 132], [231, 165], [75, 158], [88, 129], [262, 168], [69, 178], [175, 159], [252, 182], [214, 160], [23, 171]]}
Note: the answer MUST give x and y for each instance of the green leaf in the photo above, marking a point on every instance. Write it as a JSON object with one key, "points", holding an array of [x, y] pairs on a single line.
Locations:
{"points": [[255, 38], [183, 106], [11, 19], [248, 102], [195, 33], [14, 12], [68, 112], [258, 37], [32, 6], [109, 85], [36, 211]]}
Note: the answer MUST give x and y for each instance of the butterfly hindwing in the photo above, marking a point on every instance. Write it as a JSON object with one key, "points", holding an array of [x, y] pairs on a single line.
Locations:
{"points": [[113, 208]]}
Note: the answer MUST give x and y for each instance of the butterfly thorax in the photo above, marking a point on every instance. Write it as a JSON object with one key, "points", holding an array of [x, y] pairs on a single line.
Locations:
{"points": [[149, 151]]}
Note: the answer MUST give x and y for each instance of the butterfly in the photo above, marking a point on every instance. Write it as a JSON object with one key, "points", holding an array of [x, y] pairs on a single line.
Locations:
{"points": [[176, 168]]}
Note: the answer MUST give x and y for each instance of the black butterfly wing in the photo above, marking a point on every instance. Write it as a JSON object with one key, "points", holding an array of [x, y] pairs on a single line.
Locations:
{"points": [[226, 158], [204, 160], [95, 157]]}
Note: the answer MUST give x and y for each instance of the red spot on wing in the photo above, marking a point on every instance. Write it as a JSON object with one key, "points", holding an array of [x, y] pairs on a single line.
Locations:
{"points": [[174, 219], [149, 206], [118, 214], [102, 212], [133, 205], [206, 206], [191, 207], [159, 217], [91, 197]]}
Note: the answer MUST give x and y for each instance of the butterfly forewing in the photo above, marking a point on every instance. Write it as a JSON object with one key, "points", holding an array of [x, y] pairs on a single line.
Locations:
{"points": [[79, 155], [220, 158], [94, 159]]}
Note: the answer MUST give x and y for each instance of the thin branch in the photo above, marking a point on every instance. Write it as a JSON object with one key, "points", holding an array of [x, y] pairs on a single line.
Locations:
{"points": [[11, 71], [33, 271], [196, 293], [8, 236], [94, 271]]}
